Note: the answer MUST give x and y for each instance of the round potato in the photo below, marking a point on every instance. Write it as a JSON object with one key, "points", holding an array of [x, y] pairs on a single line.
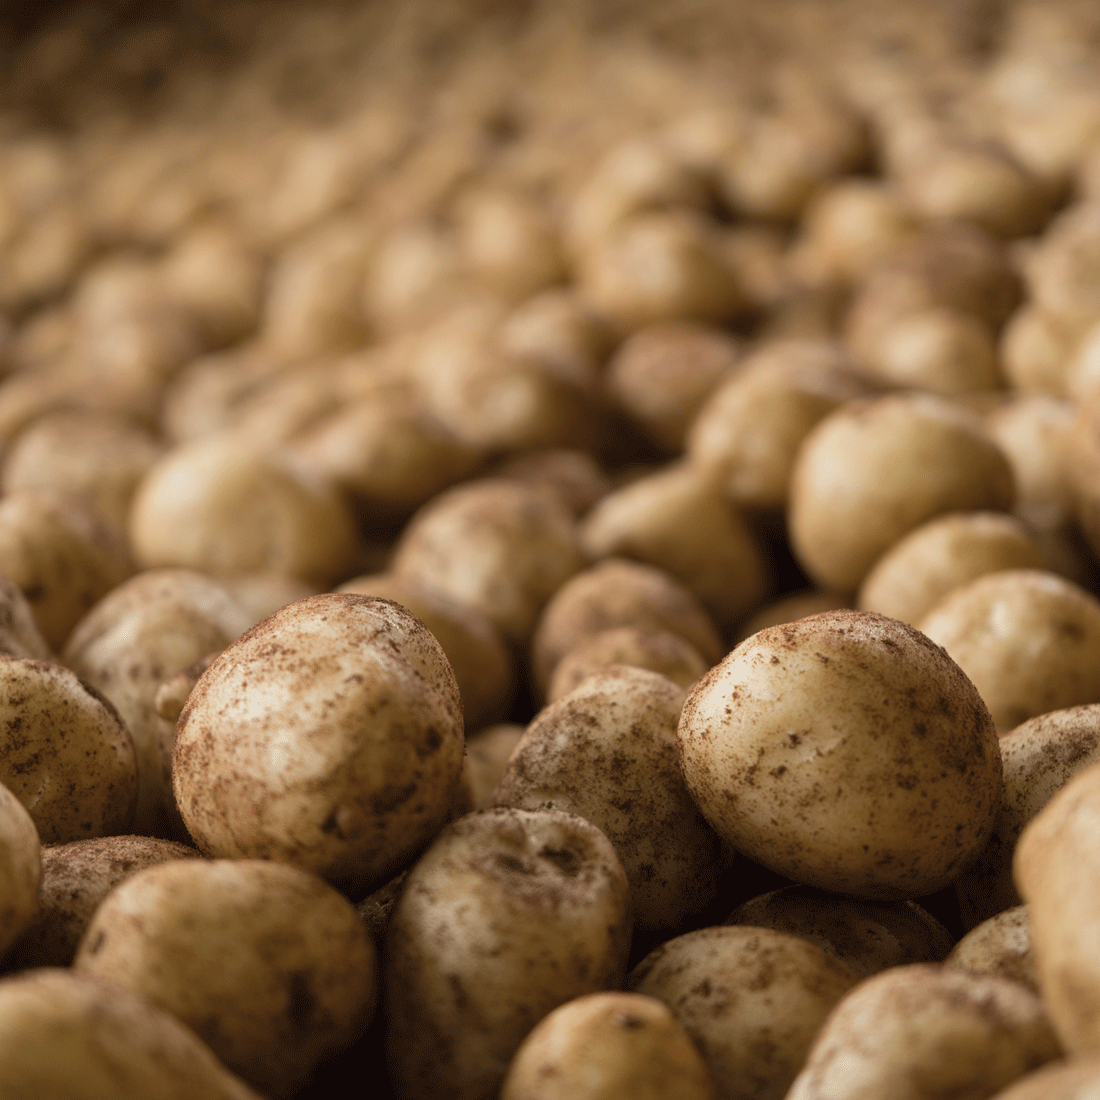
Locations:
{"points": [[487, 753], [19, 633], [1000, 946], [366, 719], [20, 868], [846, 752]]}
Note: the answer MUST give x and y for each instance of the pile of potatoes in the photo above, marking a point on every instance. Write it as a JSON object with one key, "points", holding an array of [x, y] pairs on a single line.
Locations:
{"points": [[551, 553]]}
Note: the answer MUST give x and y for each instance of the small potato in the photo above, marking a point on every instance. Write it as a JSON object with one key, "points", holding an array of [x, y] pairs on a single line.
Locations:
{"points": [[1029, 640], [722, 561], [788, 609], [66, 1035], [606, 1045], [19, 633], [1000, 946], [349, 800], [1038, 757], [487, 753], [940, 1032], [262, 594], [751, 1000], [1064, 272], [555, 327], [20, 869], [1034, 352], [866, 936], [574, 475], [846, 752], [941, 555], [506, 916], [76, 877], [64, 752], [875, 469], [607, 751], [618, 593], [279, 968]]}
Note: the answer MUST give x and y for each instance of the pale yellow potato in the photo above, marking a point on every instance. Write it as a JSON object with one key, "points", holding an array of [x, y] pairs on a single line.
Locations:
{"points": [[19, 633], [844, 751], [64, 752], [722, 562], [748, 433], [557, 327], [1082, 372], [751, 999], [140, 634], [941, 555], [262, 594], [618, 593], [938, 1031], [1075, 1079], [1034, 351], [866, 936], [1063, 273], [1029, 641], [796, 605], [1083, 446], [487, 754], [607, 1045], [875, 469], [502, 547], [69, 1036], [662, 375], [221, 505], [61, 555], [20, 870], [657, 650], [574, 475], [478, 655], [269, 965], [1000, 946], [607, 751], [1038, 757], [506, 916], [76, 877], [353, 801], [1057, 870]]}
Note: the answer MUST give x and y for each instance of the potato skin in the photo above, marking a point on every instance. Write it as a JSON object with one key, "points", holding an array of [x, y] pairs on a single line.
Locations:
{"points": [[847, 752], [20, 868], [366, 716]]}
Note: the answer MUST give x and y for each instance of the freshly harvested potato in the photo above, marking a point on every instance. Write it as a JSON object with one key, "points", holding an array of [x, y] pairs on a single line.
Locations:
{"points": [[506, 916], [69, 1036], [487, 753], [1000, 946], [1077, 1079], [751, 999], [555, 327], [140, 634], [1034, 350], [866, 936], [722, 562], [1083, 446], [607, 751], [76, 877], [875, 469], [19, 633], [280, 970], [605, 1045], [353, 801], [64, 752], [1038, 758], [938, 1031], [941, 555], [787, 609], [847, 752], [574, 475], [618, 593], [1028, 639], [500, 546], [20, 868], [262, 594]]}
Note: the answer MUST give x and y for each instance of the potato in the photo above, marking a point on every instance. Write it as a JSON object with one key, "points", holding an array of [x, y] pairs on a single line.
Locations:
{"points": [[789, 608], [20, 868], [64, 752], [76, 877], [619, 593], [1029, 641], [751, 1000], [19, 633], [1064, 272], [262, 594], [866, 936], [555, 327], [573, 474], [279, 969], [941, 555], [351, 800], [1077, 1079], [605, 1045], [506, 916], [139, 635], [1083, 446], [65, 1036], [1034, 351], [1000, 946], [939, 1032], [846, 752], [487, 753], [1038, 757], [855, 489]]}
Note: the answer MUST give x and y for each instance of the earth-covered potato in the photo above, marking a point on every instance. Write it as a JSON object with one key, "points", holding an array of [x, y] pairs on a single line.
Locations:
{"points": [[507, 915], [329, 736], [751, 999], [66, 1035], [846, 752], [487, 752], [269, 965], [1000, 946]]}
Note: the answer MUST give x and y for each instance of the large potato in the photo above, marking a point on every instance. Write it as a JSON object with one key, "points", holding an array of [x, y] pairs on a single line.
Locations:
{"points": [[847, 752], [329, 737]]}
